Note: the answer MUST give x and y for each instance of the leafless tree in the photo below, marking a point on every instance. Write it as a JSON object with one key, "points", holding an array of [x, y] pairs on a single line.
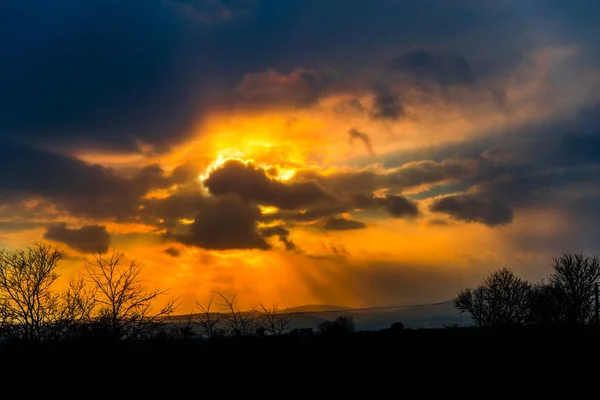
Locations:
{"points": [[77, 304], [502, 299], [124, 303], [276, 322], [28, 305], [238, 323], [572, 287], [208, 320]]}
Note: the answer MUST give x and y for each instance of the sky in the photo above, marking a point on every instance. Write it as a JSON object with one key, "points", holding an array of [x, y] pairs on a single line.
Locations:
{"points": [[357, 153]]}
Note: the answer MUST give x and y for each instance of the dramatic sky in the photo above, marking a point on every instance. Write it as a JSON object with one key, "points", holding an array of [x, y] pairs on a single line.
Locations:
{"points": [[346, 152]]}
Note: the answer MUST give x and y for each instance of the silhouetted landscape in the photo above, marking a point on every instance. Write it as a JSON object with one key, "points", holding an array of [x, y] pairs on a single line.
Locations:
{"points": [[109, 310]]}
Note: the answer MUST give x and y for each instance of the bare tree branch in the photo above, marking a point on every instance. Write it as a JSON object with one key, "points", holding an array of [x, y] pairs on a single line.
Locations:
{"points": [[124, 303], [28, 306], [274, 321]]}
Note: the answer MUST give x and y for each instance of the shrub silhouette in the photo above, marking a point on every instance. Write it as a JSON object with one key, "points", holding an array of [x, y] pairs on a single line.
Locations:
{"points": [[342, 325], [397, 326]]}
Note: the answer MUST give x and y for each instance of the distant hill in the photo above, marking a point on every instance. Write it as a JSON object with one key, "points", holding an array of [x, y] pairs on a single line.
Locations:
{"points": [[427, 316], [316, 308], [430, 316]]}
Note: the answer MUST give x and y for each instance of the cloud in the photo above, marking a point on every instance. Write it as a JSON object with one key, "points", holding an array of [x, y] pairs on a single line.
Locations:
{"points": [[342, 224], [470, 208], [396, 206], [215, 11], [123, 92], [355, 134], [442, 69], [252, 184], [387, 104], [73, 185], [223, 224], [87, 239], [282, 233], [302, 87], [173, 252], [408, 175]]}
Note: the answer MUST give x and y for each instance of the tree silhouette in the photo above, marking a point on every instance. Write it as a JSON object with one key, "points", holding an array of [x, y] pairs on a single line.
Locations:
{"points": [[570, 295], [238, 323], [546, 304], [502, 299], [125, 304], [274, 321], [28, 305], [77, 304], [208, 320]]}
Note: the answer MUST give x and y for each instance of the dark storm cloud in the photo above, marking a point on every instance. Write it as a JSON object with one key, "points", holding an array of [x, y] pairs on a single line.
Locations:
{"points": [[252, 184], [73, 185], [342, 224], [183, 204], [470, 208], [87, 239], [225, 223], [396, 206], [114, 73]]}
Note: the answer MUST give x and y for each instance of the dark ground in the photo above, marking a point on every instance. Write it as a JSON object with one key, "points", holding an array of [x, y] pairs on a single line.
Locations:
{"points": [[457, 361]]}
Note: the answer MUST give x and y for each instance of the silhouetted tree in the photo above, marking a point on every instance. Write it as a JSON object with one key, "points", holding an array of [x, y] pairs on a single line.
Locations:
{"points": [[238, 323], [28, 305], [546, 304], [125, 304], [570, 290], [502, 299], [342, 325], [75, 315], [208, 320], [274, 321]]}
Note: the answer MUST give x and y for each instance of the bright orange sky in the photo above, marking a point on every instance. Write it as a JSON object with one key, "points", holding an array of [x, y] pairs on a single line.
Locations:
{"points": [[318, 185]]}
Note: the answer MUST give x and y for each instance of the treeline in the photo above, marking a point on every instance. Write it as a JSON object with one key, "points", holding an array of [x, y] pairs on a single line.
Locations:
{"points": [[567, 298], [108, 301]]}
